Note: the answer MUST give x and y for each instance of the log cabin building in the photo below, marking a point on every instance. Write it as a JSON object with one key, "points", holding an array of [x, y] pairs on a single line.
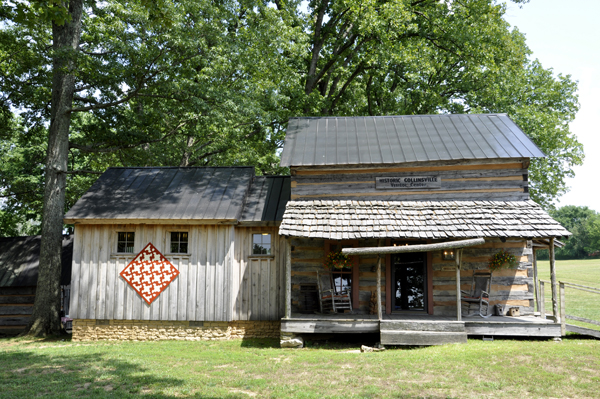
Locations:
{"points": [[19, 267], [213, 253]]}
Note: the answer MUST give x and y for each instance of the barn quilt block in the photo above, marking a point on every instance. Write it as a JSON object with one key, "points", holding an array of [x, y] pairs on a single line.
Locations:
{"points": [[149, 273]]}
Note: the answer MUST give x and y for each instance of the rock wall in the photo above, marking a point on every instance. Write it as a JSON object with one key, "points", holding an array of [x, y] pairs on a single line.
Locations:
{"points": [[144, 330]]}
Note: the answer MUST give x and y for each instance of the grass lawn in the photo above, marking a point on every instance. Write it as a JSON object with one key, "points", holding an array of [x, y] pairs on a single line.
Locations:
{"points": [[258, 368], [578, 303]]}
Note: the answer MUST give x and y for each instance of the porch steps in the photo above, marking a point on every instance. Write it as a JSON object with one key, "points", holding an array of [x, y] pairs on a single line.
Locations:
{"points": [[426, 332]]}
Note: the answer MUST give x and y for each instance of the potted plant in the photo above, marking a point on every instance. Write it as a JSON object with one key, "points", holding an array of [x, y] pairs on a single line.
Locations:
{"points": [[337, 260], [502, 260]]}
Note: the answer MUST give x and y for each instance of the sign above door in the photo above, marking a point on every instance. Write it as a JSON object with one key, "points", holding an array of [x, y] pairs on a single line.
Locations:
{"points": [[407, 182]]}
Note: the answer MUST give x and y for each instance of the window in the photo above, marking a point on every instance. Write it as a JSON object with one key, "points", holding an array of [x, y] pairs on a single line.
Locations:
{"points": [[342, 278], [179, 242], [261, 244], [125, 241]]}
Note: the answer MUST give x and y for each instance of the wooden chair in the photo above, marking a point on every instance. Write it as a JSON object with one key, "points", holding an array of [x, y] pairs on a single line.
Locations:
{"points": [[330, 299], [479, 295]]}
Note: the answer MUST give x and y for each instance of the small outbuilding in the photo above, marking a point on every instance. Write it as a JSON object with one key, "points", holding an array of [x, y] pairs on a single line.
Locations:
{"points": [[420, 203], [19, 262]]}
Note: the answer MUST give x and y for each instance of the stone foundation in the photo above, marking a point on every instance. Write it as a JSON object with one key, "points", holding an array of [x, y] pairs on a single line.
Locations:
{"points": [[147, 330]]}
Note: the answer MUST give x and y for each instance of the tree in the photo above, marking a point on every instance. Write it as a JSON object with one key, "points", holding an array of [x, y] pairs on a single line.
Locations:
{"points": [[141, 76], [584, 224], [213, 83], [419, 57]]}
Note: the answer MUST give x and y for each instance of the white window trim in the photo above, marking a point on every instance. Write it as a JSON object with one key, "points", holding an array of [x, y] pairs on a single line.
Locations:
{"points": [[261, 256], [114, 242], [168, 244]]}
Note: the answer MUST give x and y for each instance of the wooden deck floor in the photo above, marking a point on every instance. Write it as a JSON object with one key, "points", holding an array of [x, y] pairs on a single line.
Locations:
{"points": [[348, 323]]}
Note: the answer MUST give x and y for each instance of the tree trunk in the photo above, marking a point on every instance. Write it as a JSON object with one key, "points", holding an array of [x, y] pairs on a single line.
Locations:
{"points": [[45, 319]]}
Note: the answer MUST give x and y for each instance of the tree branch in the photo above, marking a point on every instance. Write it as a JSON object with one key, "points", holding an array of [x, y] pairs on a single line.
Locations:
{"points": [[96, 149], [82, 172]]}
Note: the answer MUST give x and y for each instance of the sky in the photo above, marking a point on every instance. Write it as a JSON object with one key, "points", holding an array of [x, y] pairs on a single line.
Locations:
{"points": [[564, 35]]}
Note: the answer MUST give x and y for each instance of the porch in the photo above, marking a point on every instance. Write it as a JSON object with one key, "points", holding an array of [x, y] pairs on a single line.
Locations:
{"points": [[420, 329]]}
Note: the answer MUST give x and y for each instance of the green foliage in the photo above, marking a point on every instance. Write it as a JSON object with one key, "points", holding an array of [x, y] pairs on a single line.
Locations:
{"points": [[337, 260], [203, 83], [502, 259], [584, 223]]}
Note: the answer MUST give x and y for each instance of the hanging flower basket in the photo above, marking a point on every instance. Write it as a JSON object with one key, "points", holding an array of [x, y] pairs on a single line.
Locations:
{"points": [[337, 260], [502, 260]]}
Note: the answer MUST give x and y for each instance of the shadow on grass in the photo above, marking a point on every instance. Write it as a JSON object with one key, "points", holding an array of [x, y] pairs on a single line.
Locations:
{"points": [[27, 374], [260, 343], [578, 337]]}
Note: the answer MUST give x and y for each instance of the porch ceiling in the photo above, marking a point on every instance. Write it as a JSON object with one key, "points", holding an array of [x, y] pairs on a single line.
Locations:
{"points": [[338, 220]]}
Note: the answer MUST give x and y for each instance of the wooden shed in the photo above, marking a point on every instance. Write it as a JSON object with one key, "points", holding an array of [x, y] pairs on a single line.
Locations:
{"points": [[214, 253], [19, 262], [218, 227]]}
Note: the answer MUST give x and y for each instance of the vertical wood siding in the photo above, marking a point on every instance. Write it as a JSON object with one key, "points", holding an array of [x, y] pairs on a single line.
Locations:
{"points": [[258, 281], [202, 291]]}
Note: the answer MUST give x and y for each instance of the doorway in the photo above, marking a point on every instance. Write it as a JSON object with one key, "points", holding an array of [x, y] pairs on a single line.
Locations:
{"points": [[409, 282]]}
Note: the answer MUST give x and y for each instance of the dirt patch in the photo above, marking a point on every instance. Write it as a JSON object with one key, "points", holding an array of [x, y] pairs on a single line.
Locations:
{"points": [[83, 387], [249, 393]]}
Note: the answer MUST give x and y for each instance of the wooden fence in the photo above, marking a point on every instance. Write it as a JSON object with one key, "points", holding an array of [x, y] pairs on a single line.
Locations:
{"points": [[564, 316]]}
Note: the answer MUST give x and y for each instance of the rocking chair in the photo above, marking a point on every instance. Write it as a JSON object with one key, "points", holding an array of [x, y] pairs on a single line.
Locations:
{"points": [[479, 295], [330, 299]]}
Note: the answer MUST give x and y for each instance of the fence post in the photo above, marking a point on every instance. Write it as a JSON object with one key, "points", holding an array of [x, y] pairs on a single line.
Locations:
{"points": [[563, 311], [542, 301]]}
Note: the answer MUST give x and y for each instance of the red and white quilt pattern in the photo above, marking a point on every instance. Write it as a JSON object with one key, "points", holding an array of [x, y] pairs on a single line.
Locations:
{"points": [[149, 273]]}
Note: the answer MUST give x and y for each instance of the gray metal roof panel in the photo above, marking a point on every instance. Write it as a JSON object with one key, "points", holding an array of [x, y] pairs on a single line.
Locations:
{"points": [[165, 193], [267, 198], [400, 139]]}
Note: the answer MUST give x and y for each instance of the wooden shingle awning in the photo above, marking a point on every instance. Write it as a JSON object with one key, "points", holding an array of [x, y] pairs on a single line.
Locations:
{"points": [[436, 220]]}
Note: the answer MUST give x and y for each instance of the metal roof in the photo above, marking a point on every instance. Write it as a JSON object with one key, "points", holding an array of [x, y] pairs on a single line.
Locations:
{"points": [[343, 220], [20, 258], [266, 199], [399, 139], [167, 193]]}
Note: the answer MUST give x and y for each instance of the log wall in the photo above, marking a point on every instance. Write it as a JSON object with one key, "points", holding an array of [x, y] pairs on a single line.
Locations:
{"points": [[510, 287], [460, 180], [16, 307], [308, 256]]}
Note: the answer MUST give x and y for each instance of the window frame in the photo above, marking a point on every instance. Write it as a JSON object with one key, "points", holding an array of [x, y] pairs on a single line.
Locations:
{"points": [[252, 254], [354, 274], [169, 243], [117, 241]]}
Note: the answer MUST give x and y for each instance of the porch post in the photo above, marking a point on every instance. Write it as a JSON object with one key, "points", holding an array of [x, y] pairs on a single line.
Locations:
{"points": [[553, 282], [379, 283], [458, 264], [536, 287], [288, 278]]}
